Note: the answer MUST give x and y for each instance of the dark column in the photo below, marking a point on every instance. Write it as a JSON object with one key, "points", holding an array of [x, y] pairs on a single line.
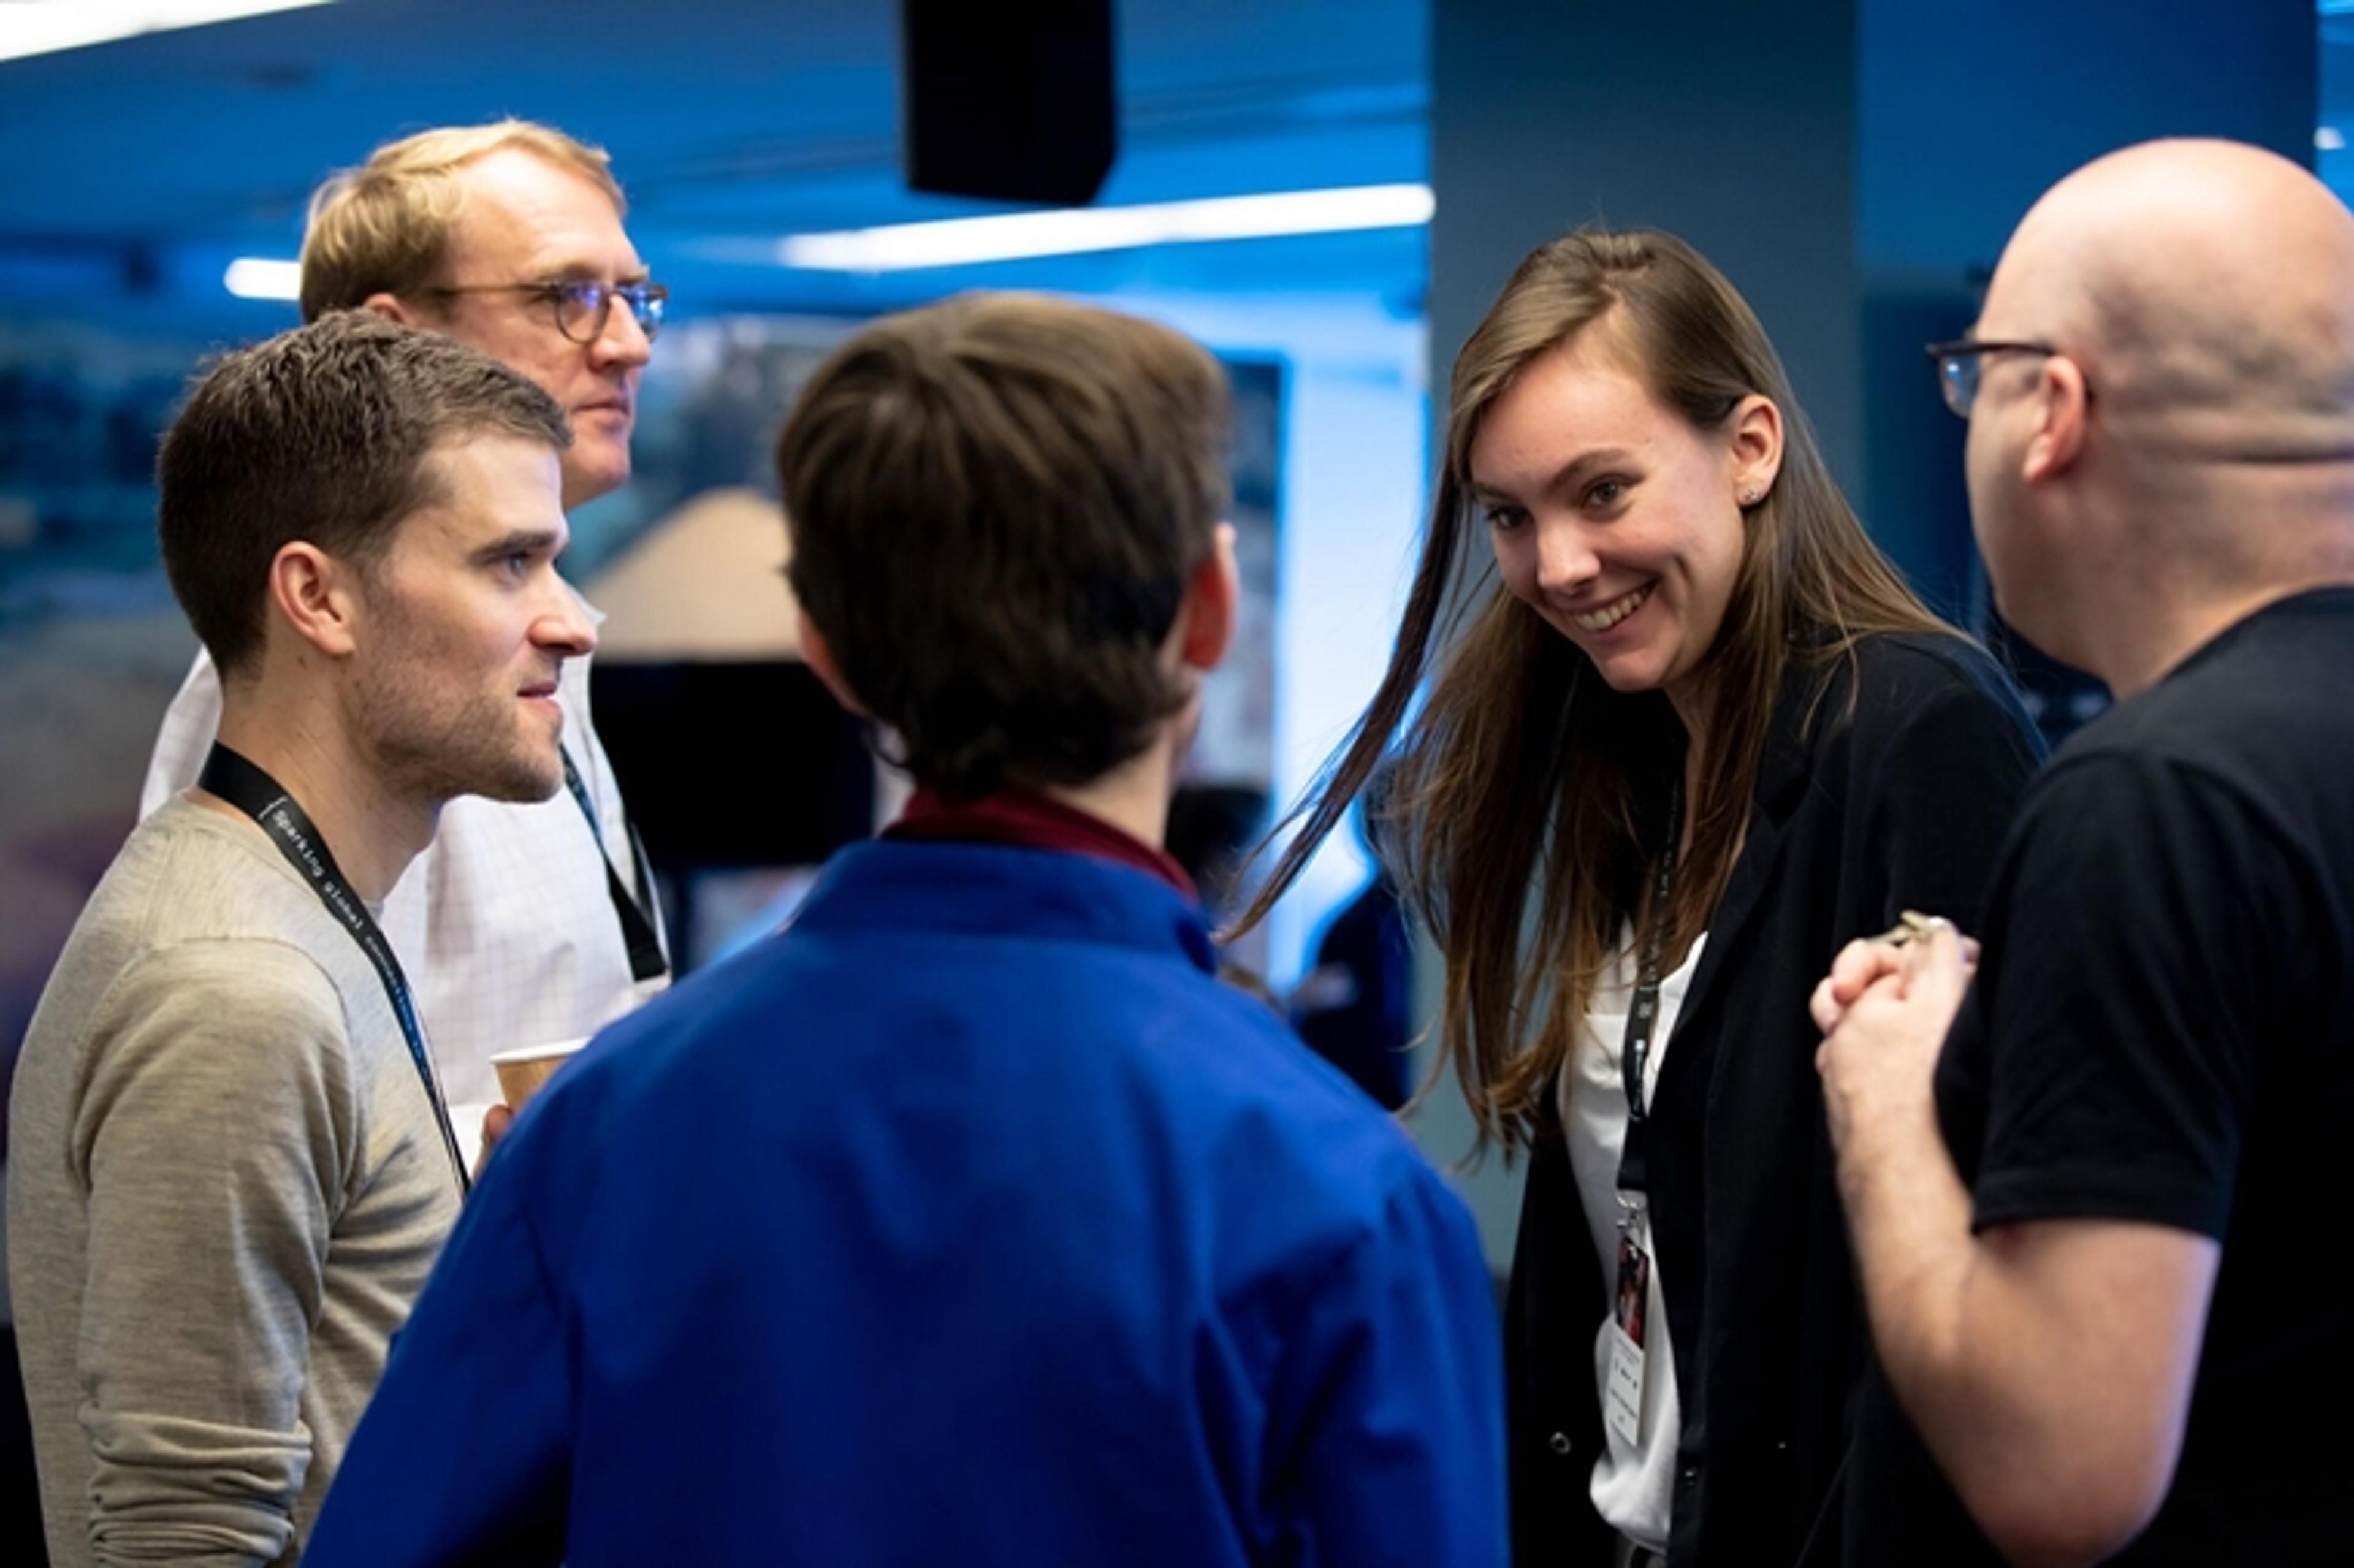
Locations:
{"points": [[1969, 114], [1732, 123]]}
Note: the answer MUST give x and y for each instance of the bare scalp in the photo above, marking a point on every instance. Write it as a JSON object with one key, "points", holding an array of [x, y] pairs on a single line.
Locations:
{"points": [[2208, 287]]}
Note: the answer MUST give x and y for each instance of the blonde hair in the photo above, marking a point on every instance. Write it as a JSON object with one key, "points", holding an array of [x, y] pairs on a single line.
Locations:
{"points": [[384, 227]]}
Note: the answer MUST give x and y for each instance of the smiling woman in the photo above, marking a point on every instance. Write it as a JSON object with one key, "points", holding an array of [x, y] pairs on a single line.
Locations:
{"points": [[1617, 521], [1696, 735]]}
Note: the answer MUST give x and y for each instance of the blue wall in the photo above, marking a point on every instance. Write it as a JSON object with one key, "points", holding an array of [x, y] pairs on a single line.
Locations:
{"points": [[1967, 114]]}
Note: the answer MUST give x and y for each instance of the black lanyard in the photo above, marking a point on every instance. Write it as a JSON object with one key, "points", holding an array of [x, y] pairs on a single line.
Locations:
{"points": [[646, 959], [1634, 1159], [232, 778]]}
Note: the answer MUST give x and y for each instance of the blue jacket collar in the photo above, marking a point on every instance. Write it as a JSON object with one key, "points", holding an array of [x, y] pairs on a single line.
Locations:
{"points": [[998, 890]]}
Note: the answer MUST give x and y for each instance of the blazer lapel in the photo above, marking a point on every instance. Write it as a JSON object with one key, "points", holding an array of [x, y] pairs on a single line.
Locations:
{"points": [[1782, 776]]}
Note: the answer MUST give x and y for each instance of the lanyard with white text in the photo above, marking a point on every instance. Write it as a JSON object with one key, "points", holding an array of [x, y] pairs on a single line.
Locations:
{"points": [[1634, 1162], [647, 960], [237, 781]]}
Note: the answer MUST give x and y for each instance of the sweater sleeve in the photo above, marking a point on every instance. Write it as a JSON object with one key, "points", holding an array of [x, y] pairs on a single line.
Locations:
{"points": [[216, 1134], [464, 1455]]}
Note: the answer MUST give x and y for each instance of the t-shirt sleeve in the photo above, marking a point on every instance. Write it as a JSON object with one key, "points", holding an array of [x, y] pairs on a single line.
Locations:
{"points": [[1386, 1426], [215, 1133], [464, 1454], [2144, 921], [1942, 785]]}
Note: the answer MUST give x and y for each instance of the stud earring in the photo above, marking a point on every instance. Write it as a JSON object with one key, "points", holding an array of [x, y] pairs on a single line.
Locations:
{"points": [[1750, 497]]}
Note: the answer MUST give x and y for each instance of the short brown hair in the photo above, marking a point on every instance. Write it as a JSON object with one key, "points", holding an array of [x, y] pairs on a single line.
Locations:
{"points": [[384, 227], [995, 505], [319, 434]]}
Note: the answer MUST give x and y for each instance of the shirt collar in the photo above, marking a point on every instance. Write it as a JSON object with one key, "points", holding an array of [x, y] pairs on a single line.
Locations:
{"points": [[1028, 819]]}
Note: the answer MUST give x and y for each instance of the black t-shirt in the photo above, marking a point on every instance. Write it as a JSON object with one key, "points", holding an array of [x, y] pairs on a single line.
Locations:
{"points": [[2162, 1030]]}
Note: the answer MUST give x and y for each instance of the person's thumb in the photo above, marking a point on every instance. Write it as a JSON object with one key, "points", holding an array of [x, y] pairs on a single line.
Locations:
{"points": [[1935, 967]]}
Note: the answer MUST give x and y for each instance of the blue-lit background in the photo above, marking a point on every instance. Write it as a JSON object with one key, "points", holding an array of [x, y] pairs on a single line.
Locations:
{"points": [[132, 173], [1854, 165]]}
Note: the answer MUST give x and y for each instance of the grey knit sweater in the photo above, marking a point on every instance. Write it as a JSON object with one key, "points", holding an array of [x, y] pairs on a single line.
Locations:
{"points": [[225, 1189]]}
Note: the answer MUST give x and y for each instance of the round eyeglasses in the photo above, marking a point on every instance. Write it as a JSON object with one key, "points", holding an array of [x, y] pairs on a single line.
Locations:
{"points": [[1960, 362], [583, 306]]}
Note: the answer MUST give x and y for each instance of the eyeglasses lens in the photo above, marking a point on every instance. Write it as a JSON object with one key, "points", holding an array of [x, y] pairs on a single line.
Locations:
{"points": [[647, 302], [583, 309], [1957, 377]]}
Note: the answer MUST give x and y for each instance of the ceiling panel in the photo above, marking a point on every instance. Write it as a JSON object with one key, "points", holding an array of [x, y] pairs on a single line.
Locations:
{"points": [[135, 165]]}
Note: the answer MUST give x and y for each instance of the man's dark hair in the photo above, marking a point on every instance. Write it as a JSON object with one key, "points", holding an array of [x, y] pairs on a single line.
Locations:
{"points": [[320, 434], [996, 503]]}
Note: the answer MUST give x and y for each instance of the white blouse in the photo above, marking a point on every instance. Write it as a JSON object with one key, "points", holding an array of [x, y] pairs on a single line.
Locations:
{"points": [[1633, 1485]]}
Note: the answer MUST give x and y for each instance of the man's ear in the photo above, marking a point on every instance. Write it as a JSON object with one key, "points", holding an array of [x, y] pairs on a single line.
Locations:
{"points": [[318, 597], [1205, 617], [2062, 420], [818, 654], [389, 306]]}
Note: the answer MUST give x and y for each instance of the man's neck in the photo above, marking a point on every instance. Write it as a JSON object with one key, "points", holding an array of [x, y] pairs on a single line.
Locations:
{"points": [[2151, 638], [1134, 797], [372, 830], [2180, 569]]}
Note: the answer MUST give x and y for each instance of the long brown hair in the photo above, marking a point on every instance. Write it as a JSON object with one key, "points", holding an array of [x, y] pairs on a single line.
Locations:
{"points": [[1528, 796]]}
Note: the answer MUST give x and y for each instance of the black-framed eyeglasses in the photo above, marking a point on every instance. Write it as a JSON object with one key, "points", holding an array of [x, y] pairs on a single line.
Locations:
{"points": [[1958, 365], [582, 305]]}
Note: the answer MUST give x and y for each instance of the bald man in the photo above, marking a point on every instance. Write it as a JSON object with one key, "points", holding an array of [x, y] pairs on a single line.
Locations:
{"points": [[2095, 1186]]}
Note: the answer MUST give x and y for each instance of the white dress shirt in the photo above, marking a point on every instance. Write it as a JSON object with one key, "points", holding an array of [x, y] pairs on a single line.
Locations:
{"points": [[1633, 1484], [505, 925]]}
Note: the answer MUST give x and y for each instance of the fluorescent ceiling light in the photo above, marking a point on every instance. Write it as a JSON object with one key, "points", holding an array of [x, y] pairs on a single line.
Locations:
{"points": [[1067, 231], [256, 278], [45, 26]]}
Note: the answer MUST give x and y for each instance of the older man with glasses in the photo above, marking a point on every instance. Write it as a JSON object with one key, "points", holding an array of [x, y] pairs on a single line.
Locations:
{"points": [[2092, 1168], [524, 924]]}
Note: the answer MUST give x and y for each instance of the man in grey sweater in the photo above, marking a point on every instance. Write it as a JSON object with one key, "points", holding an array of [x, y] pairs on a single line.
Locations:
{"points": [[230, 1162]]}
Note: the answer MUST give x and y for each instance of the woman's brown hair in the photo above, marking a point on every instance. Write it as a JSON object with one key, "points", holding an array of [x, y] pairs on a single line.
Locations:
{"points": [[1528, 796]]}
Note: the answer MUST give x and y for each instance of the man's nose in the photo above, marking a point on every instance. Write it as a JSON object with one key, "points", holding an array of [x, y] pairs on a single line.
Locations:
{"points": [[622, 341], [564, 627]]}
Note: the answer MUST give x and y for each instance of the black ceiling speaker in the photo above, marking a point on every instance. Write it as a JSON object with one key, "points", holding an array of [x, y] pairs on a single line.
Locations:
{"points": [[1011, 100]]}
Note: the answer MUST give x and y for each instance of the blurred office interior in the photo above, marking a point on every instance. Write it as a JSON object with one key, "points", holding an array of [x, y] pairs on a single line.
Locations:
{"points": [[1854, 165]]}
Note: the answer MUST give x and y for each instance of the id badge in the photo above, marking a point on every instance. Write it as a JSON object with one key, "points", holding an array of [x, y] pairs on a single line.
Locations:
{"points": [[1622, 1405]]}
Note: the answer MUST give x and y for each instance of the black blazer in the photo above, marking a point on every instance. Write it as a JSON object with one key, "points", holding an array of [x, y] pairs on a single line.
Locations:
{"points": [[1886, 784]]}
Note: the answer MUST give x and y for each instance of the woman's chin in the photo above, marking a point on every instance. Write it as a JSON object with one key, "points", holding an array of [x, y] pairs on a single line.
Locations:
{"points": [[1627, 674]]}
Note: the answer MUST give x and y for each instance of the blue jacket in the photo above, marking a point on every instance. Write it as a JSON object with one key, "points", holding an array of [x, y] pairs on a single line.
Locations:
{"points": [[969, 1220]]}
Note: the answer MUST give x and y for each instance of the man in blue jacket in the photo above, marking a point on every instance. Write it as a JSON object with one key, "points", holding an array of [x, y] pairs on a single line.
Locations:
{"points": [[970, 1219]]}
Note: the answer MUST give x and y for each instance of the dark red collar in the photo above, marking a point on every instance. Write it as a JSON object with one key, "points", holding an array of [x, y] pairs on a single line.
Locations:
{"points": [[1033, 821]]}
